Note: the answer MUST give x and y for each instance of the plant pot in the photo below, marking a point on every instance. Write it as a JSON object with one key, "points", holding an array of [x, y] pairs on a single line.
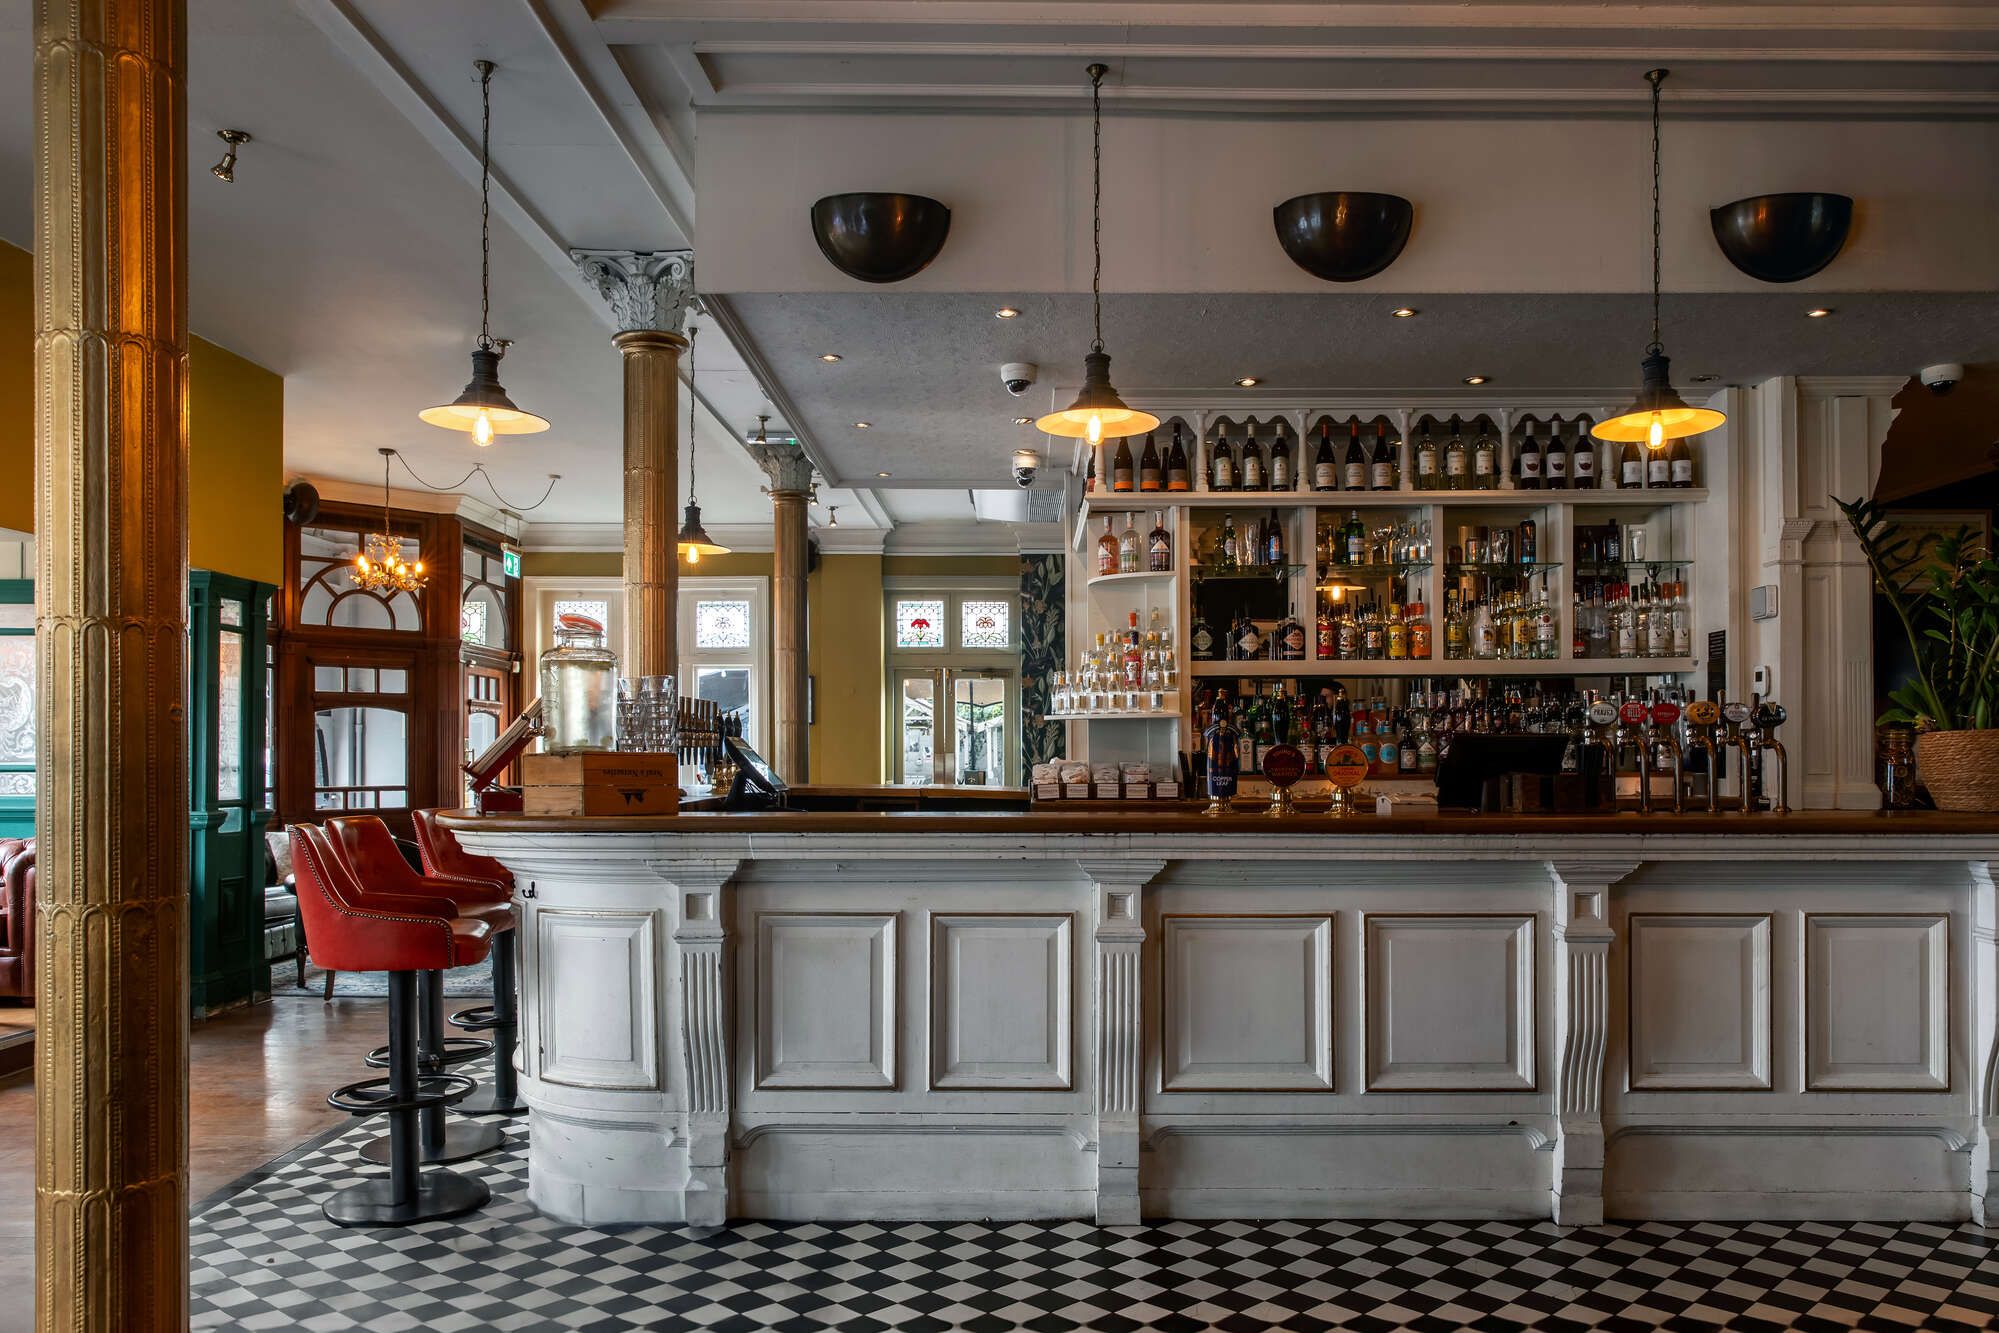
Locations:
{"points": [[1960, 769]]}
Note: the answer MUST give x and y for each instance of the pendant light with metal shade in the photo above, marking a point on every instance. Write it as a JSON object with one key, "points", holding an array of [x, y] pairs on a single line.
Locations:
{"points": [[1098, 412], [1658, 414], [482, 408], [694, 539]]}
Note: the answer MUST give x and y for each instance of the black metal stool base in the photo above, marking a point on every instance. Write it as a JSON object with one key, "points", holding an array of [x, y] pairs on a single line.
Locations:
{"points": [[487, 1099], [439, 1194], [462, 1142], [457, 1050]]}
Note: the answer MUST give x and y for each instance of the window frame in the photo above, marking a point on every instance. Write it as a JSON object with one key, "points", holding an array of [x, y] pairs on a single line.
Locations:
{"points": [[951, 661], [17, 813]]}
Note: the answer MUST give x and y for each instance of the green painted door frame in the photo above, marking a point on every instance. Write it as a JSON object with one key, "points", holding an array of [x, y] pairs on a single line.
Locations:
{"points": [[17, 812], [228, 627]]}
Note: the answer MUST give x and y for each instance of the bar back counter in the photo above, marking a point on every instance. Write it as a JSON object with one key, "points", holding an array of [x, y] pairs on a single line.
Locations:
{"points": [[1136, 1015]]}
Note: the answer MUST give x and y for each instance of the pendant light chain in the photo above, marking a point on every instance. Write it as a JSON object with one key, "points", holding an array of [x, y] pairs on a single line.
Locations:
{"points": [[692, 492], [485, 203], [1655, 78], [1097, 73]]}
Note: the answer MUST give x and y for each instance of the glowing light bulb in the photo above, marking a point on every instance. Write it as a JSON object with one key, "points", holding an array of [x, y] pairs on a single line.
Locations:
{"points": [[1096, 428], [693, 555], [1656, 436], [482, 429]]}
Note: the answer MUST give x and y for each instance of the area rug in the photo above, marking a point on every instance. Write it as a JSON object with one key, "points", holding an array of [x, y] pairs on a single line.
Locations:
{"points": [[474, 982]]}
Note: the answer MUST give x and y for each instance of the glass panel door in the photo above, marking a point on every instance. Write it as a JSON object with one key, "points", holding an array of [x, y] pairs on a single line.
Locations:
{"points": [[916, 740], [980, 727]]}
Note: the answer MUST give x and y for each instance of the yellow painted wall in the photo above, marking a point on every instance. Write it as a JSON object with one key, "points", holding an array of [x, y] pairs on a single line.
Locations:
{"points": [[236, 441]]}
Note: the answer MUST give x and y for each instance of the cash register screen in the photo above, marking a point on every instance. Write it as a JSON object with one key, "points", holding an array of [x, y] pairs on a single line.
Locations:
{"points": [[1475, 756]]}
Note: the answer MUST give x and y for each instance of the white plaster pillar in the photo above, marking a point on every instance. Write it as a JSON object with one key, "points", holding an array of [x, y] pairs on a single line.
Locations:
{"points": [[1582, 1032], [1984, 1043], [700, 1040], [1120, 1032]]}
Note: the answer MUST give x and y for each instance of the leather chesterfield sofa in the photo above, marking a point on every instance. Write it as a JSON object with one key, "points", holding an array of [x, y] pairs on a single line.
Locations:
{"points": [[17, 917]]}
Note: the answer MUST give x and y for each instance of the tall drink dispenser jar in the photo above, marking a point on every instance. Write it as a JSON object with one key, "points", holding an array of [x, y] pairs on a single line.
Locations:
{"points": [[579, 689]]}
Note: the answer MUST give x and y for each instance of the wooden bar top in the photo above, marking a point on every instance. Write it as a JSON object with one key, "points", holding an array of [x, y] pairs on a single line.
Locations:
{"points": [[1108, 818]]}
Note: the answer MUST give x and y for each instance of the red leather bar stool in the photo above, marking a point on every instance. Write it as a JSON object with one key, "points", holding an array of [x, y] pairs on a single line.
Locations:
{"points": [[443, 858], [354, 930], [368, 851]]}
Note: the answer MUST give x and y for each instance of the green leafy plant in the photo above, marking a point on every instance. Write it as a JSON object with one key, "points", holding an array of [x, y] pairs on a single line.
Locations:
{"points": [[1947, 599]]}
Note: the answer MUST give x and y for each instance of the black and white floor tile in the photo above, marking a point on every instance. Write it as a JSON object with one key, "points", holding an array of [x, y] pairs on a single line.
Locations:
{"points": [[264, 1258]]}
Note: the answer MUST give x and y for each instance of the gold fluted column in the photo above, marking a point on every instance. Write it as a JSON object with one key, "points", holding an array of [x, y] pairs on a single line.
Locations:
{"points": [[790, 474], [111, 987], [649, 295]]}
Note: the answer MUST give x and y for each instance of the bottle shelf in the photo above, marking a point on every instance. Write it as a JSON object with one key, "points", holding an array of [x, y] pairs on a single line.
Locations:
{"points": [[1513, 569], [1554, 667], [1140, 576], [1137, 501], [1383, 570], [1171, 714], [1606, 569], [1275, 573]]}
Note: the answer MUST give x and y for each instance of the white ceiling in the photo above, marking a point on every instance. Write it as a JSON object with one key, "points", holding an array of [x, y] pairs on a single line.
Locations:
{"points": [[345, 254]]}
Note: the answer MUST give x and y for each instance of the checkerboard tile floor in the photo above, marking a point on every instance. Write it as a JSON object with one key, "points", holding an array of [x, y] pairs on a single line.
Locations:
{"points": [[264, 1258]]}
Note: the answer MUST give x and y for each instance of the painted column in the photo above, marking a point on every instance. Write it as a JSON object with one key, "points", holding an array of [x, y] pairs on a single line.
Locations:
{"points": [[111, 990], [700, 942], [790, 473], [1582, 1032], [650, 294], [1120, 1032]]}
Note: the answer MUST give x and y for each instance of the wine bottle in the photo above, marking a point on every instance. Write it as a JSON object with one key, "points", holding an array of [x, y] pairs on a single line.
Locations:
{"points": [[1457, 459], [1123, 475], [1555, 458], [1484, 458], [1426, 460], [1149, 478], [1252, 460], [1325, 475], [1280, 461], [1630, 467], [1222, 476], [1178, 478], [1529, 459], [1381, 471], [1658, 467], [1354, 474], [1680, 462], [1582, 459]]}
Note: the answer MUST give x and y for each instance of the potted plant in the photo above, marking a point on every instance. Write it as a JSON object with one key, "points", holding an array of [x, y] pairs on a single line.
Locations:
{"points": [[1947, 598]]}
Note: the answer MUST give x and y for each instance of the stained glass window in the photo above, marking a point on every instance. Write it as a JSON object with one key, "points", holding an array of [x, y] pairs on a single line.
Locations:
{"points": [[985, 624], [722, 624], [919, 622], [17, 712], [472, 622], [597, 609]]}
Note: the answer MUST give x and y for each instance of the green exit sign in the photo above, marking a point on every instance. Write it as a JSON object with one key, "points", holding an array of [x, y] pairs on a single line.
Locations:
{"points": [[510, 560]]}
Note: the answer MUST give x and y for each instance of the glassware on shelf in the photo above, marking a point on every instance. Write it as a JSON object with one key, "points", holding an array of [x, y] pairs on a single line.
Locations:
{"points": [[579, 688]]}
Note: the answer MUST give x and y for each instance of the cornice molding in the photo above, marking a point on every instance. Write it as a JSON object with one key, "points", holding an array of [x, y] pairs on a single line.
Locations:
{"points": [[466, 507]]}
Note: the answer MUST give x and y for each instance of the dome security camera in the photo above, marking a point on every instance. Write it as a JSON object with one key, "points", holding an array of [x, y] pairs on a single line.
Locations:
{"points": [[1941, 379], [1019, 376], [1026, 463]]}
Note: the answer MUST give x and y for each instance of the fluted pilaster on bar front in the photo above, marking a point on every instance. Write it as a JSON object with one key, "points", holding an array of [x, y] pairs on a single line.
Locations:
{"points": [[1583, 937], [111, 632], [1985, 1042], [700, 941], [1120, 1031]]}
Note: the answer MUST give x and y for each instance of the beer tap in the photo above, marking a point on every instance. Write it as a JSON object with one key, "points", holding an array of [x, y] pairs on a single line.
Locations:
{"points": [[1664, 716], [1733, 715], [1766, 719], [1632, 730], [1703, 717], [1599, 717]]}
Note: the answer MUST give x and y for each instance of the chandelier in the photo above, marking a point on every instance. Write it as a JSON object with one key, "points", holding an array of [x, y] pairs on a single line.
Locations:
{"points": [[379, 565]]}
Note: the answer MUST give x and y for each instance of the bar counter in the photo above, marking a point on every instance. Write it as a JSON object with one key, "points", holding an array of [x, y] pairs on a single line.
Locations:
{"points": [[1132, 1013]]}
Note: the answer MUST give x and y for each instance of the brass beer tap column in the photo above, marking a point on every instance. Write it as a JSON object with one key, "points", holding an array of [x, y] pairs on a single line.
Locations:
{"points": [[1634, 729], [1766, 718], [1703, 716], [1665, 715], [1734, 715]]}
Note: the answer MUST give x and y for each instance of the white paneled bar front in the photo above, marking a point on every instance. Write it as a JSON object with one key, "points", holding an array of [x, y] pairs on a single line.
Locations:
{"points": [[1127, 1025]]}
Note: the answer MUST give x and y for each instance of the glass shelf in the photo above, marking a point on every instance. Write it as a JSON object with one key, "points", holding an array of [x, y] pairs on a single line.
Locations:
{"points": [[1606, 568], [1515, 569], [1381, 570], [1272, 572]]}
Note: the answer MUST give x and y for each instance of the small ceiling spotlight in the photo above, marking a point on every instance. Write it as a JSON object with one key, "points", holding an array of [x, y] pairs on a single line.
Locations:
{"points": [[1818, 312], [829, 357], [864, 425], [881, 474], [1706, 377], [1476, 380], [1023, 421], [225, 170], [1404, 312], [1248, 382], [1006, 312]]}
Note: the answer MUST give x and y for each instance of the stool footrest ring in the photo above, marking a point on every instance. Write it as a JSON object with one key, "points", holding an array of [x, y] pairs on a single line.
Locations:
{"points": [[485, 1018], [457, 1050], [375, 1097]]}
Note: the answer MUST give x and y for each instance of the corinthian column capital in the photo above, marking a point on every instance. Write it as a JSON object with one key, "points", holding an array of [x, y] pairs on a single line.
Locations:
{"points": [[646, 289], [785, 464]]}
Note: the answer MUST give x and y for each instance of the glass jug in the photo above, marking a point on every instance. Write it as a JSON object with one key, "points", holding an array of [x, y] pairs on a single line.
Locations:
{"points": [[579, 689]]}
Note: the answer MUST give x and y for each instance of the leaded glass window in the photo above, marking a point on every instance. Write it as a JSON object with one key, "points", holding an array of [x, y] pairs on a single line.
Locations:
{"points": [[985, 624], [722, 624], [919, 622], [472, 622]]}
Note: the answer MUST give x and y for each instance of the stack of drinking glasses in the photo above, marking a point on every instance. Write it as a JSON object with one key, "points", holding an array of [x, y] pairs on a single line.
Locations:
{"points": [[649, 715]]}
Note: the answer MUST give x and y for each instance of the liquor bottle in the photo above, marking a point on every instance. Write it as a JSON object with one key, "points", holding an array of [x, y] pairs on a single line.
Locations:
{"points": [[1123, 475], [1659, 468], [1623, 628], [1381, 472], [1291, 638], [1149, 478], [1395, 631], [1127, 547], [1325, 641], [1353, 475], [1202, 645], [1248, 640], [1682, 622], [1555, 458], [1325, 474], [1418, 613], [1406, 746], [1230, 553], [1582, 458], [1680, 464], [1613, 544], [1253, 478], [1178, 478], [1484, 458], [1427, 478], [1107, 549], [1347, 637], [1457, 459], [1222, 473], [1222, 751], [1356, 540], [1630, 467], [1159, 545], [1280, 461], [1529, 460], [1525, 542], [1484, 631], [1273, 540], [1373, 637], [1134, 657]]}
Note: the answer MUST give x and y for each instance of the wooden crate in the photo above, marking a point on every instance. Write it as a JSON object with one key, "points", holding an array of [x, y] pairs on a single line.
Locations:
{"points": [[600, 783]]}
